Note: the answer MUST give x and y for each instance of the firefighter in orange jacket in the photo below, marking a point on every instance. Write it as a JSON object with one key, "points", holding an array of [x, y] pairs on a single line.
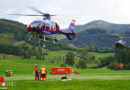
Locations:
{"points": [[11, 73], [36, 72], [43, 72]]}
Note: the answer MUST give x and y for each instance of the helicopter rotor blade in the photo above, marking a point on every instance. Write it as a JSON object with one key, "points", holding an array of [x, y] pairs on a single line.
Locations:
{"points": [[39, 11], [53, 15], [25, 15], [42, 14], [36, 10]]}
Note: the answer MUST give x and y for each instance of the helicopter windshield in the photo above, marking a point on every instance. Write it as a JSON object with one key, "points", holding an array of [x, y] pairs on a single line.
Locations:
{"points": [[48, 24], [36, 23]]}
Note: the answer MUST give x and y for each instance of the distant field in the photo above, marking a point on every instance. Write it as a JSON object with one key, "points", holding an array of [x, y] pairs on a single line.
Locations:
{"points": [[9, 56], [26, 67], [21, 67], [63, 52], [97, 55], [56, 53]]}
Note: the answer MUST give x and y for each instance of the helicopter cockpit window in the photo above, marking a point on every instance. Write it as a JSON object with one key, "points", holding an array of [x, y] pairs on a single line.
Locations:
{"points": [[43, 25], [36, 23], [49, 25]]}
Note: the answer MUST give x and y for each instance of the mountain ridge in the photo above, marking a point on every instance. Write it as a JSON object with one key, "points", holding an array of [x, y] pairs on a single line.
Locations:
{"points": [[109, 27]]}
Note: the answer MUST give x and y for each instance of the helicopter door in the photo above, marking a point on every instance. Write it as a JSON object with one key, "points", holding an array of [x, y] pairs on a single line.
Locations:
{"points": [[53, 25]]}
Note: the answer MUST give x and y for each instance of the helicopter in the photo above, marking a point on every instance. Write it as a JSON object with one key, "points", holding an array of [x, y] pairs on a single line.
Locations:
{"points": [[121, 43], [45, 29]]}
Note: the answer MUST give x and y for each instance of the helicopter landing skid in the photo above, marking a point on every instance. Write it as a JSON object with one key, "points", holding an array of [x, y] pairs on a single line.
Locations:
{"points": [[49, 40], [41, 38]]}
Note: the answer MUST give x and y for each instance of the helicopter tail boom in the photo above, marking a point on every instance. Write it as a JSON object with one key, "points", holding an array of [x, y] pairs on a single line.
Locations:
{"points": [[70, 34]]}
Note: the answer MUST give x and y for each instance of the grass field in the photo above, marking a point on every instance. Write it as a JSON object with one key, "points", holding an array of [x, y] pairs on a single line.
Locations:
{"points": [[71, 85], [56, 53], [97, 55], [88, 79]]}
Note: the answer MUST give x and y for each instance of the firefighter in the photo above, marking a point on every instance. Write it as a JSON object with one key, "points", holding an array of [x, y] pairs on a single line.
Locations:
{"points": [[11, 73], [36, 72], [7, 73], [43, 72]]}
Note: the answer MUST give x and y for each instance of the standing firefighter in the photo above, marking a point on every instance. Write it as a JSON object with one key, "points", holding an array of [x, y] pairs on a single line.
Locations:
{"points": [[36, 72], [43, 72]]}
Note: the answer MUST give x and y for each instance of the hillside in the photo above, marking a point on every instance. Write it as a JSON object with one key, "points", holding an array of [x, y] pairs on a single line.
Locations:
{"points": [[14, 29], [12, 37], [12, 32], [109, 27], [93, 33]]}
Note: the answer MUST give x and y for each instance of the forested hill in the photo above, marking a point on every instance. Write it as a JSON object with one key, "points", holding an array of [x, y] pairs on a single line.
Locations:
{"points": [[12, 36], [93, 34], [109, 27], [12, 32], [12, 29]]}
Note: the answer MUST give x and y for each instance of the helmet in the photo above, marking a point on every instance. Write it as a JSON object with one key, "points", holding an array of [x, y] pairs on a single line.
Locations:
{"points": [[35, 64]]}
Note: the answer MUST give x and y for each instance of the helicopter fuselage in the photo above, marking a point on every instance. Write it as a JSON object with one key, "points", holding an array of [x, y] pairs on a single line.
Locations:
{"points": [[42, 27]]}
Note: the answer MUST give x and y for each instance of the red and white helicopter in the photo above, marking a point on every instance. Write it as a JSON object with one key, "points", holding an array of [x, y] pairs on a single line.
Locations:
{"points": [[46, 28]]}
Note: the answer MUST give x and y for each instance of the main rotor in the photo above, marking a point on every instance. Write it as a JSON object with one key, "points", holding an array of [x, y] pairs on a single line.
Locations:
{"points": [[47, 15]]}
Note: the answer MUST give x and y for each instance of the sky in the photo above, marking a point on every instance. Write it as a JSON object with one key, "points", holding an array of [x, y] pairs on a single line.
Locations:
{"points": [[83, 11]]}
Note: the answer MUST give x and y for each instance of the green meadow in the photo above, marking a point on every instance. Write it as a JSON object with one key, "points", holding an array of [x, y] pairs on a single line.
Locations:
{"points": [[88, 79]]}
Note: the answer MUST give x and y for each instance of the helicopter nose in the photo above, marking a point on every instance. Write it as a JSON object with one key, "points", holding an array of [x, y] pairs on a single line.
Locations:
{"points": [[29, 27]]}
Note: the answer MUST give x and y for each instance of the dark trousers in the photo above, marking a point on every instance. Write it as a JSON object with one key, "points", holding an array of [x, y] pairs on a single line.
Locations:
{"points": [[42, 75], [36, 76]]}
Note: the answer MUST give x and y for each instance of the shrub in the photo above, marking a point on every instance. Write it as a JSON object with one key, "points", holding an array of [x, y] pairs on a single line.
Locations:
{"points": [[81, 64], [63, 65]]}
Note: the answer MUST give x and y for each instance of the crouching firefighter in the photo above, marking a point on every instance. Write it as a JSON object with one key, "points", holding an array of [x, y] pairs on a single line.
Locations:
{"points": [[43, 72]]}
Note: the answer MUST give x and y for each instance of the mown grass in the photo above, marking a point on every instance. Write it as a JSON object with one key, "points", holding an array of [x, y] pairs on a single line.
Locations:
{"points": [[21, 67], [71, 85]]}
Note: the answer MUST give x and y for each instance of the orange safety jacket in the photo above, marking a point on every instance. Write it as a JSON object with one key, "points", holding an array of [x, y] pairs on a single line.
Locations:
{"points": [[11, 73], [43, 70]]}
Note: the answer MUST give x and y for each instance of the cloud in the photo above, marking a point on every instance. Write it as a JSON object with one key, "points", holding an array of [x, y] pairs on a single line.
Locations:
{"points": [[83, 11], [9, 11]]}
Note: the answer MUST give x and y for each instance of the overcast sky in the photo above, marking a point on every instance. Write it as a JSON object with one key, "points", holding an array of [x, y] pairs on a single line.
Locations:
{"points": [[83, 11]]}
